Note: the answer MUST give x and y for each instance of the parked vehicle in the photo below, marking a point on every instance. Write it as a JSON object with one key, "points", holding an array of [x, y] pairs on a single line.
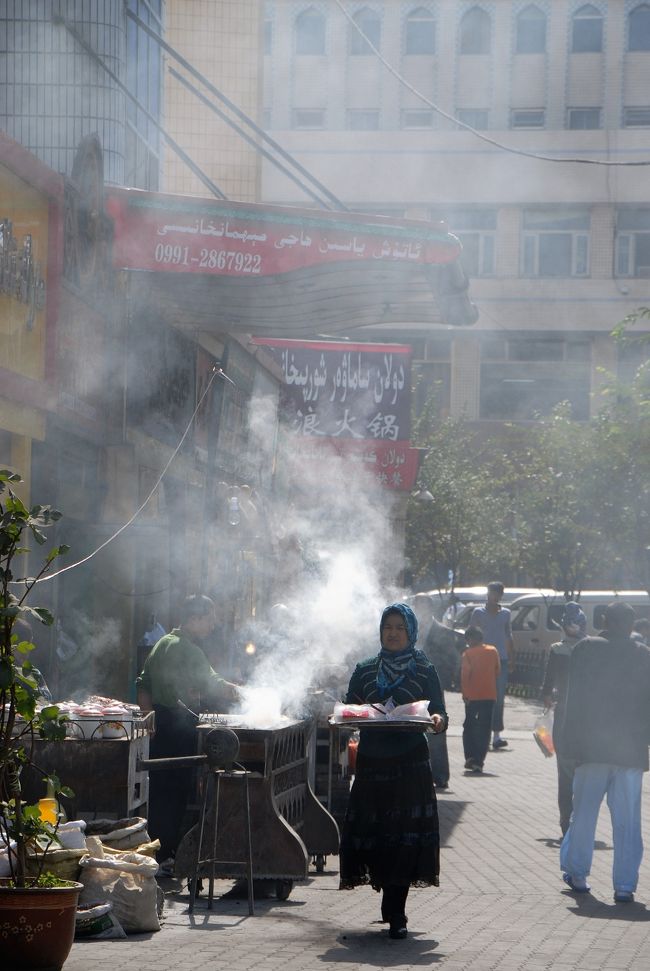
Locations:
{"points": [[440, 599], [536, 617], [510, 595]]}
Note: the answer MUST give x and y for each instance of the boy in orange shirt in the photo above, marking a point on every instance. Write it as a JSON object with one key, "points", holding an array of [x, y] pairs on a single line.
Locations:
{"points": [[479, 670]]}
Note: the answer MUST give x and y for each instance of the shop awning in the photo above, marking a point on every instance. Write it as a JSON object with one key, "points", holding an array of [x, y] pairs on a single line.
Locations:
{"points": [[250, 268]]}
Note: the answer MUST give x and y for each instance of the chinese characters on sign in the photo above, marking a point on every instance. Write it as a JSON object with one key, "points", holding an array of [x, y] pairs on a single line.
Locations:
{"points": [[340, 390], [20, 274], [352, 398]]}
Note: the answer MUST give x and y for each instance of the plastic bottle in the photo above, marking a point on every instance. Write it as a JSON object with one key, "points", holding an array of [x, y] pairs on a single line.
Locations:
{"points": [[50, 808]]}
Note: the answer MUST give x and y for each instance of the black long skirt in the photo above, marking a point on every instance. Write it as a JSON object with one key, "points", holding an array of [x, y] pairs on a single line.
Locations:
{"points": [[390, 835]]}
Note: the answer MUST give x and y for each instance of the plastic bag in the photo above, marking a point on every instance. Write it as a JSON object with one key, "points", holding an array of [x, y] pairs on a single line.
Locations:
{"points": [[543, 733], [127, 882], [413, 711], [97, 921], [121, 834]]}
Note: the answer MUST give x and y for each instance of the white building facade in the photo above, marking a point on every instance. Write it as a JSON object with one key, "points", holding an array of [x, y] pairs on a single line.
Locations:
{"points": [[558, 252]]}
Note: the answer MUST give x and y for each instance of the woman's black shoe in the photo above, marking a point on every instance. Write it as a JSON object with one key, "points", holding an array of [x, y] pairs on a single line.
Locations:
{"points": [[398, 929]]}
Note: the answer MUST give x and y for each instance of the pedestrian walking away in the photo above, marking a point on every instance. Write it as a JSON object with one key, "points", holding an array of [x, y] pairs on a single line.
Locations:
{"points": [[606, 731], [390, 837], [494, 621], [574, 626], [479, 673]]}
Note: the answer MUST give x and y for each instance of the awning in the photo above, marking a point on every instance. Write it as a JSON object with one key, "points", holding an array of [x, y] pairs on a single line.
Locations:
{"points": [[249, 268]]}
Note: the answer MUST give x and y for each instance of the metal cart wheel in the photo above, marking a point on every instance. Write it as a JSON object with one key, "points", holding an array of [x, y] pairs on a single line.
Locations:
{"points": [[283, 888]]}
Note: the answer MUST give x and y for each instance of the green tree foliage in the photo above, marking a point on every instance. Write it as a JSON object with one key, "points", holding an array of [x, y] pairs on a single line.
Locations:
{"points": [[559, 513], [465, 527], [562, 504]]}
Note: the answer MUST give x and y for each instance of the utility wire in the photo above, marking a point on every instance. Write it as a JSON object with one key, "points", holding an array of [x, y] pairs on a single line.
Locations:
{"points": [[247, 138], [334, 202], [461, 124], [71, 566], [191, 164]]}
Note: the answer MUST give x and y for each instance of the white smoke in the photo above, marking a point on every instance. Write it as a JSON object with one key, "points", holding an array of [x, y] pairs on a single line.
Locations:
{"points": [[338, 566]]}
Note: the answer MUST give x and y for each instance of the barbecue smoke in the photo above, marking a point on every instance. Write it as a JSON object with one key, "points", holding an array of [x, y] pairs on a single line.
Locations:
{"points": [[336, 570]]}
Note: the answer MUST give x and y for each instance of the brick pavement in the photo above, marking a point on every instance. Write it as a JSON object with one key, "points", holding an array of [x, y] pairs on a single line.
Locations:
{"points": [[501, 905]]}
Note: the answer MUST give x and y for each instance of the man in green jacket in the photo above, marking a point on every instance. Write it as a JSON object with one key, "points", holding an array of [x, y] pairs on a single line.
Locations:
{"points": [[177, 680]]}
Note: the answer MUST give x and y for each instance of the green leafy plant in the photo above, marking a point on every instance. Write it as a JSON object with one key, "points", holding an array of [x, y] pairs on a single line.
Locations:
{"points": [[22, 717]]}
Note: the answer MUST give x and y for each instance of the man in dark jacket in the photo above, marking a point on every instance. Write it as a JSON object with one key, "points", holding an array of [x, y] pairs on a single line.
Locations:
{"points": [[606, 732], [554, 691]]}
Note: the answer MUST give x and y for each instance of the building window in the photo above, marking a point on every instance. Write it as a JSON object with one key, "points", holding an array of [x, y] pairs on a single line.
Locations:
{"points": [[638, 28], [636, 117], [555, 243], [476, 230], [587, 30], [533, 377], [633, 243], [310, 32], [531, 31], [417, 118], [527, 118], [268, 36], [309, 118], [475, 32], [369, 22], [583, 118], [474, 117], [144, 81], [363, 119], [420, 32]]}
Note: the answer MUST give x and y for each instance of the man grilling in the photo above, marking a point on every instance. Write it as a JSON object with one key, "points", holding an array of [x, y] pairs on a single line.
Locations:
{"points": [[176, 681]]}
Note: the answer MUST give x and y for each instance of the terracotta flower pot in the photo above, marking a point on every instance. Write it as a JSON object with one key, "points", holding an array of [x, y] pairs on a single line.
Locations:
{"points": [[37, 926]]}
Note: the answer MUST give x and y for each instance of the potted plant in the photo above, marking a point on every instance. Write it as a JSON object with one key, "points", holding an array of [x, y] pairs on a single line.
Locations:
{"points": [[37, 909]]}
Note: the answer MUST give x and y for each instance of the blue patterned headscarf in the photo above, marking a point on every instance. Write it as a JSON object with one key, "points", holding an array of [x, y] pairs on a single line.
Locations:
{"points": [[395, 665]]}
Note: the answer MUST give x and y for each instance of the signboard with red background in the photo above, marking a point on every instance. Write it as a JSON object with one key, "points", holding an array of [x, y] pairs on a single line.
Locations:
{"points": [[353, 399], [182, 234]]}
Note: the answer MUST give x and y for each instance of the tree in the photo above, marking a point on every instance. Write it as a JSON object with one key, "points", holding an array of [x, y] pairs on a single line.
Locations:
{"points": [[464, 529], [20, 717], [559, 508], [623, 436]]}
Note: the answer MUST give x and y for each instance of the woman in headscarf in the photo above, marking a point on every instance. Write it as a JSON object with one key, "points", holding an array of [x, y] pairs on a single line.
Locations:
{"points": [[390, 836]]}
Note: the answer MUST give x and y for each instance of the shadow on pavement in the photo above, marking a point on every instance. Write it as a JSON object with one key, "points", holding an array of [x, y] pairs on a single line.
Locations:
{"points": [[588, 906], [450, 812], [555, 841], [376, 949]]}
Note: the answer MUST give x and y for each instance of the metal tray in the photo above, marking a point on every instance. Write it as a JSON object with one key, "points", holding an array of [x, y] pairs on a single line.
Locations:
{"points": [[397, 724]]}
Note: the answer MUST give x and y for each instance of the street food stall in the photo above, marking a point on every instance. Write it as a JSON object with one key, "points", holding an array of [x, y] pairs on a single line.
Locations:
{"points": [[99, 760], [288, 823]]}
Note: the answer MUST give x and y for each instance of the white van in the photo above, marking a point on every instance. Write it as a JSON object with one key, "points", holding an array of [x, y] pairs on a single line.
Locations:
{"points": [[510, 595], [473, 597], [536, 618]]}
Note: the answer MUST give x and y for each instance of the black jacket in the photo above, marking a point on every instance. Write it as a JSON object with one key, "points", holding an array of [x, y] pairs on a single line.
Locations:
{"points": [[607, 715]]}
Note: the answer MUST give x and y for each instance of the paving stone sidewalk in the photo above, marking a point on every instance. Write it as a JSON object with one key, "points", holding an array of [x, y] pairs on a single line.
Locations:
{"points": [[501, 905]]}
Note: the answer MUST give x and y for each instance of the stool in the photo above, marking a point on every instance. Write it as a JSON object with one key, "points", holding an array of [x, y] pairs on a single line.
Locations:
{"points": [[236, 775]]}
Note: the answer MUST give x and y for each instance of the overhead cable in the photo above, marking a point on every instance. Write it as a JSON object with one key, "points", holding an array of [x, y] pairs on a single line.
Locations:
{"points": [[247, 138], [71, 566], [191, 164], [334, 202], [461, 124]]}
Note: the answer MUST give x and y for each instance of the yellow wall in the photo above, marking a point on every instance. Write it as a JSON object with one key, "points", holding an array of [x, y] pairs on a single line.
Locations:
{"points": [[23, 349], [223, 41]]}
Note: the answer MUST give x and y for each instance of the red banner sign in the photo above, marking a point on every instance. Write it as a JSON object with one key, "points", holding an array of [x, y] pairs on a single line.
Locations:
{"points": [[395, 464], [182, 234]]}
